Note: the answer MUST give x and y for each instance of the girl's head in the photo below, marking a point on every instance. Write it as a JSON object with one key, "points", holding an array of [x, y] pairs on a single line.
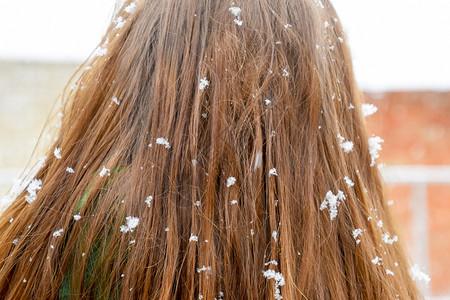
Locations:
{"points": [[209, 149]]}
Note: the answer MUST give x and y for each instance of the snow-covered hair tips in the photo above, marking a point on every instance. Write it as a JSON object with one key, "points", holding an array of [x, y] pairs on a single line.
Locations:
{"points": [[209, 150]]}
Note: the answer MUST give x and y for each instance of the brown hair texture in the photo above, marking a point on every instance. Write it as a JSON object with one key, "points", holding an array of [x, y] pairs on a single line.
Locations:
{"points": [[209, 150]]}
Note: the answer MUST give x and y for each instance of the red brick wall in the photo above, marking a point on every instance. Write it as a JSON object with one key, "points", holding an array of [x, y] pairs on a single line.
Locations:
{"points": [[416, 129]]}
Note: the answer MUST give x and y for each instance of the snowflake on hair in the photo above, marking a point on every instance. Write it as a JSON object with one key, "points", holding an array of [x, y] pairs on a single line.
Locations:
{"points": [[203, 83], [132, 223], [332, 202]]}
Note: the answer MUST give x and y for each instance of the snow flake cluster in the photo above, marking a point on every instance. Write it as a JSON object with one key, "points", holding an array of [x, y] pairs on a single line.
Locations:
{"points": [[149, 200], [115, 100], [236, 11], [57, 153], [279, 281], [349, 182], [207, 269], [377, 260], [368, 109], [132, 223], [102, 50], [332, 202], [130, 8], [386, 238], [417, 274], [273, 171], [58, 232], [230, 181], [374, 147], [347, 146], [163, 141], [120, 21], [34, 186], [104, 172], [357, 232], [203, 83]]}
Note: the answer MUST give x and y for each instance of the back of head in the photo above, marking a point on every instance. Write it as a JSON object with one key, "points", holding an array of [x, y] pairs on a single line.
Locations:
{"points": [[209, 150]]}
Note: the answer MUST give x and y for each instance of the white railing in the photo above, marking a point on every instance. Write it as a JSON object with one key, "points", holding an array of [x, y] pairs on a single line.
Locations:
{"points": [[418, 178]]}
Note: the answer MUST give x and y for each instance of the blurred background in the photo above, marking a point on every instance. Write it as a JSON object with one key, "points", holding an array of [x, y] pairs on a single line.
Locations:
{"points": [[401, 59]]}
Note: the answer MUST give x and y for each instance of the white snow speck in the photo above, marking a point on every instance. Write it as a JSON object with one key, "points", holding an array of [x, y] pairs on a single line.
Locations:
{"points": [[163, 141], [102, 50], [376, 260], [387, 240], [274, 235], [380, 223], [132, 223], [272, 262], [41, 162], [115, 100], [349, 182], [76, 217], [193, 238], [287, 26], [341, 40], [34, 186], [389, 272], [273, 171], [203, 268], [104, 172], [347, 146], [417, 274], [58, 232], [230, 181], [267, 101], [149, 200], [57, 153], [332, 201], [238, 22], [236, 11], [368, 109], [357, 232], [203, 83], [285, 72], [279, 281], [130, 8], [374, 147], [119, 22], [70, 170], [319, 3], [233, 202]]}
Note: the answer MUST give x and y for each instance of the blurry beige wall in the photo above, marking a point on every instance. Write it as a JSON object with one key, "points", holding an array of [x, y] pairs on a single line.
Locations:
{"points": [[28, 91]]}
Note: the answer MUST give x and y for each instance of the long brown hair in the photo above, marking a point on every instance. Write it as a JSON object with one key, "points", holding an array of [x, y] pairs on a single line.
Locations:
{"points": [[209, 149]]}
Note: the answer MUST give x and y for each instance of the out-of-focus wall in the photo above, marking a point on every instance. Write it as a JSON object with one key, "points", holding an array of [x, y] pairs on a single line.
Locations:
{"points": [[415, 127], [27, 93]]}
